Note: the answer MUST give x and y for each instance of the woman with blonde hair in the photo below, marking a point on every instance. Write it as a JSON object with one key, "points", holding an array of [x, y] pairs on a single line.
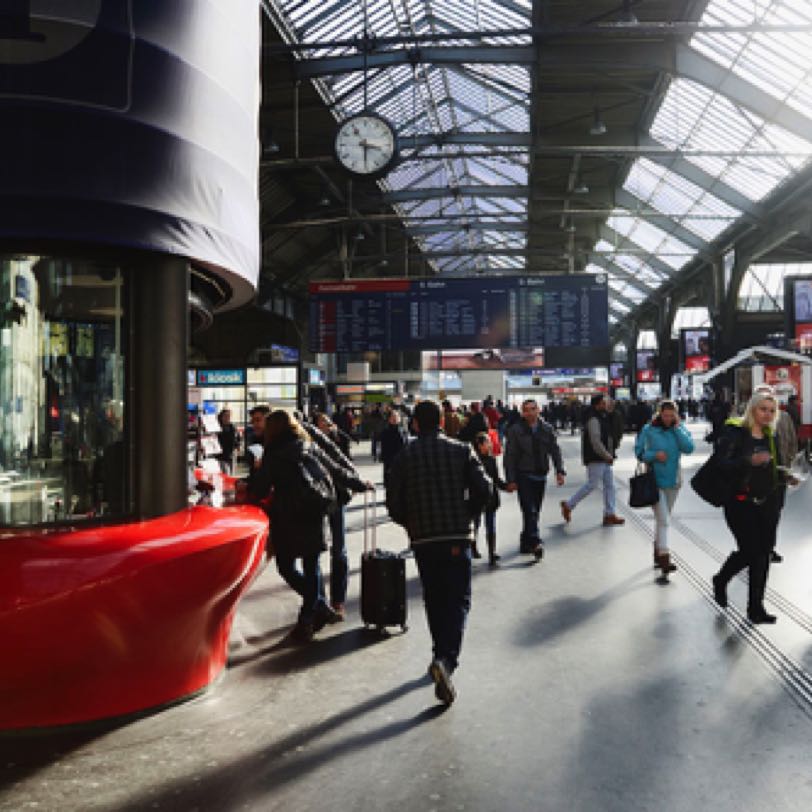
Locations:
{"points": [[661, 444], [747, 456]]}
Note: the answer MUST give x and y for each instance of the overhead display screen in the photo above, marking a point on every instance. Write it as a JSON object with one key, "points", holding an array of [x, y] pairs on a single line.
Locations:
{"points": [[695, 345], [567, 316], [798, 307]]}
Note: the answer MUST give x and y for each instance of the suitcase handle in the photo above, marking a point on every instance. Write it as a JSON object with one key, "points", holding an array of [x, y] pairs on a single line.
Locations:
{"points": [[370, 539]]}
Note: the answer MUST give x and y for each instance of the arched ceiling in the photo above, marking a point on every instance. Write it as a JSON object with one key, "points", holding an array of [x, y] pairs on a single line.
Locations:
{"points": [[642, 138]]}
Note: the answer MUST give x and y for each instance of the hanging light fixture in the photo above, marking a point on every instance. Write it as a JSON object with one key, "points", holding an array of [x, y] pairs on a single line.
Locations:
{"points": [[627, 16], [598, 124]]}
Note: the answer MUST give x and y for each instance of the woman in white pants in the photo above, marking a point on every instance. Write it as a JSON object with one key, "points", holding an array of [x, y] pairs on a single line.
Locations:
{"points": [[660, 444]]}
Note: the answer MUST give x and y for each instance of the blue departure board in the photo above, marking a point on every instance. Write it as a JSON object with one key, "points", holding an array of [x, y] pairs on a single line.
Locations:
{"points": [[567, 315]]}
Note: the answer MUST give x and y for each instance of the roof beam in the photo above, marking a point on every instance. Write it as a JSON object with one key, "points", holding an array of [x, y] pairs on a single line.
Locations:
{"points": [[621, 244], [631, 202], [454, 55], [440, 193], [613, 269]]}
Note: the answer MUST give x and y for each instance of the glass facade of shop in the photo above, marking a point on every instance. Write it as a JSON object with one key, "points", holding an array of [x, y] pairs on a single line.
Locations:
{"points": [[62, 391]]}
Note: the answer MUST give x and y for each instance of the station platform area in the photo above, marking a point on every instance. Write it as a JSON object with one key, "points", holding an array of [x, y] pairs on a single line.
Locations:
{"points": [[583, 685]]}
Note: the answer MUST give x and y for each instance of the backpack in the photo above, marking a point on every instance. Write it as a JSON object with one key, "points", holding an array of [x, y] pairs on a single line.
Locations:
{"points": [[314, 494]]}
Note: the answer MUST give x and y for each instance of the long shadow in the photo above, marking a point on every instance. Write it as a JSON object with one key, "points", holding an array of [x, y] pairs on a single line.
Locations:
{"points": [[288, 759], [285, 656], [561, 616]]}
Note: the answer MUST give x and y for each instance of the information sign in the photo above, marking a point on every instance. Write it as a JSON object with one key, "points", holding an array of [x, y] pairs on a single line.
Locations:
{"points": [[566, 315]]}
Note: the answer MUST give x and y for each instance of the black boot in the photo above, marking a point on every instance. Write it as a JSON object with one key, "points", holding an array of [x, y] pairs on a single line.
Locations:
{"points": [[493, 558], [757, 586], [734, 564], [475, 552]]}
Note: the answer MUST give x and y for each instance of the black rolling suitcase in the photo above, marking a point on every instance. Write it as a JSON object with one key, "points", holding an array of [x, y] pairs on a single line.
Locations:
{"points": [[383, 579]]}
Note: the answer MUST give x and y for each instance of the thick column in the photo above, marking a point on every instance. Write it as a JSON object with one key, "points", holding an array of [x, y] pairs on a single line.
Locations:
{"points": [[158, 340]]}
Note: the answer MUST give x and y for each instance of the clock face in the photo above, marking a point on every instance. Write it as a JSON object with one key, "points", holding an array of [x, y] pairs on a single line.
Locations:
{"points": [[366, 145]]}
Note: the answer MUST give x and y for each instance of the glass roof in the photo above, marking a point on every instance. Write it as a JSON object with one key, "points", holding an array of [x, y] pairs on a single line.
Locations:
{"points": [[432, 99], [762, 287], [697, 118]]}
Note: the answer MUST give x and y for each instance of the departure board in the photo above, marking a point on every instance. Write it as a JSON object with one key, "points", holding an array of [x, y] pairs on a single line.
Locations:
{"points": [[567, 315]]}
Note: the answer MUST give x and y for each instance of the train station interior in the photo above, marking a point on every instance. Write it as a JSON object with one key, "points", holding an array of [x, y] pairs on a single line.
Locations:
{"points": [[219, 218]]}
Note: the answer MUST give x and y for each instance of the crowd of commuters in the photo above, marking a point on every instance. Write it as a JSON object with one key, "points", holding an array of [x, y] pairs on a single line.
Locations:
{"points": [[442, 480]]}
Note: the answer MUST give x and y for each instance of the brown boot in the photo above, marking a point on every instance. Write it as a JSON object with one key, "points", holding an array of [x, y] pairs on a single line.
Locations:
{"points": [[612, 519], [664, 562]]}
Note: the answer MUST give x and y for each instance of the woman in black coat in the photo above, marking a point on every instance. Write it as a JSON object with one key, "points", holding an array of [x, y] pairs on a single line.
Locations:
{"points": [[297, 534], [747, 457]]}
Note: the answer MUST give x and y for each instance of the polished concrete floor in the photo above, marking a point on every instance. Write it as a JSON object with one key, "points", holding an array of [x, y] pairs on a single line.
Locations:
{"points": [[583, 686]]}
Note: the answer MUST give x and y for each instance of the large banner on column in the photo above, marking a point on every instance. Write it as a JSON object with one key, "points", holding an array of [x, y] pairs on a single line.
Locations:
{"points": [[133, 123]]}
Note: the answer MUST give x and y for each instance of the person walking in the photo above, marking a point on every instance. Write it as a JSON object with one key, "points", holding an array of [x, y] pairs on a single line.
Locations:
{"points": [[747, 456], [229, 441], [529, 446], [336, 519], [393, 439], [298, 529], [661, 444], [436, 486], [597, 454], [476, 423], [484, 450], [451, 420]]}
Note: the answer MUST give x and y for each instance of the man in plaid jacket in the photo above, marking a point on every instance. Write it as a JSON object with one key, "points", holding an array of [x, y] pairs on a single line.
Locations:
{"points": [[436, 487]]}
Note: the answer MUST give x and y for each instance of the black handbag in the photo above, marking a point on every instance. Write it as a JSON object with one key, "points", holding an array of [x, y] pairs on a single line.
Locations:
{"points": [[643, 490], [711, 484]]}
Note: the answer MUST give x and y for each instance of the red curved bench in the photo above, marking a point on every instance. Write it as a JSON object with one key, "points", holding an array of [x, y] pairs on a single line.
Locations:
{"points": [[105, 621]]}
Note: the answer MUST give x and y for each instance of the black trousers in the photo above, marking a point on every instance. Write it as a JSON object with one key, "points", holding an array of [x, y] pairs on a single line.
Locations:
{"points": [[754, 528]]}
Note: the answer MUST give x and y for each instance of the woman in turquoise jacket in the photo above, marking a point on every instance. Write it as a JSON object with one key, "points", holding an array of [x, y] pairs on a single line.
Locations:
{"points": [[660, 444]]}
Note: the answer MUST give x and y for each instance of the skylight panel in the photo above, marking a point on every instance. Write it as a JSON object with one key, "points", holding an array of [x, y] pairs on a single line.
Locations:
{"points": [[695, 118], [668, 249], [678, 198], [780, 63]]}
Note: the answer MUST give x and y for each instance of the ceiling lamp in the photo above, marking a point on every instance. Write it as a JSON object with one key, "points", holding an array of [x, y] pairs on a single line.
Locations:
{"points": [[627, 16], [580, 189], [598, 124]]}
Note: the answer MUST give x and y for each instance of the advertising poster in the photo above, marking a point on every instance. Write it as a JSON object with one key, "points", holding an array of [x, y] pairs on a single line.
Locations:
{"points": [[695, 345], [617, 374], [785, 380], [485, 359], [647, 366]]}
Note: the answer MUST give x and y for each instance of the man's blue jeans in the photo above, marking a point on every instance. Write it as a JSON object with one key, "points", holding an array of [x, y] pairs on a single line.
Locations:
{"points": [[445, 572], [339, 565], [531, 495], [307, 582]]}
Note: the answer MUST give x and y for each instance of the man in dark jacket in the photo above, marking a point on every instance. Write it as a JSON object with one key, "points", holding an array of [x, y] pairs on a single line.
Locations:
{"points": [[530, 444], [476, 423], [598, 455], [436, 487]]}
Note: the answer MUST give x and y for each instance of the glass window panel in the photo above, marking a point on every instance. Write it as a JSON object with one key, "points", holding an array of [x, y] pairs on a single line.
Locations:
{"points": [[62, 402]]}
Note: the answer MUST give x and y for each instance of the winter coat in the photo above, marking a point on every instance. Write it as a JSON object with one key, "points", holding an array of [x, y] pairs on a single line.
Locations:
{"points": [[674, 441], [393, 438], [492, 470], [520, 456], [292, 534], [436, 487]]}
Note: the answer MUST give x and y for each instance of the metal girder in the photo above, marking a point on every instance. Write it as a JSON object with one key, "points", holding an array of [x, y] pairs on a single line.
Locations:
{"points": [[621, 243], [630, 202], [613, 269], [486, 55], [406, 195], [645, 148], [456, 228], [782, 229]]}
